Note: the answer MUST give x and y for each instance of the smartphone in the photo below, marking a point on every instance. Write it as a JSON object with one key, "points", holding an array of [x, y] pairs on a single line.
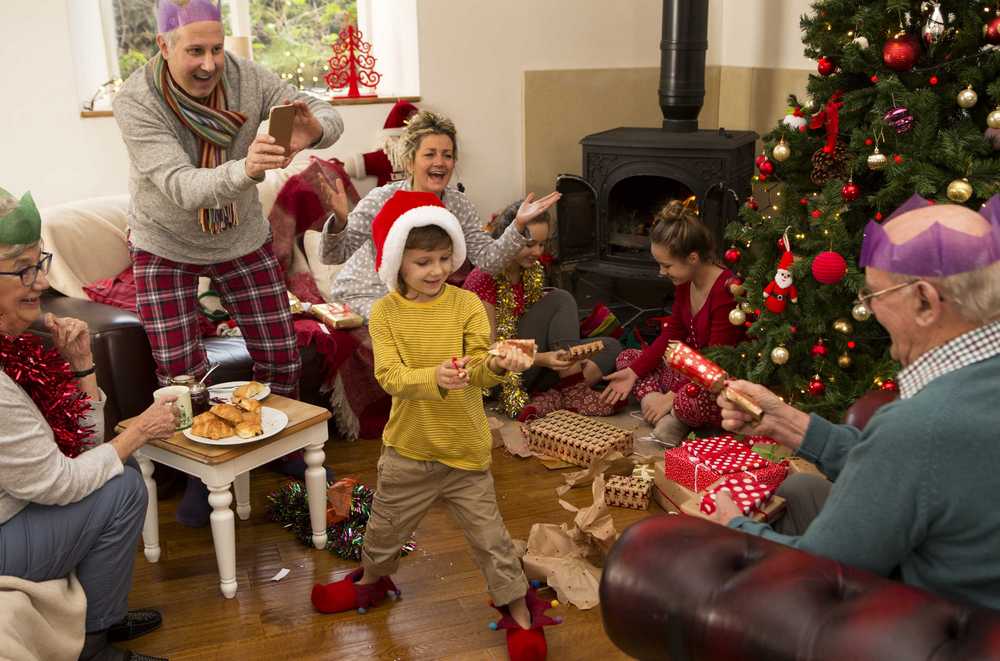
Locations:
{"points": [[279, 125]]}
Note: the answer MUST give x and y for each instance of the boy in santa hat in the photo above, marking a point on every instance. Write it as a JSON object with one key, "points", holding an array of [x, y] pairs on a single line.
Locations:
{"points": [[431, 342]]}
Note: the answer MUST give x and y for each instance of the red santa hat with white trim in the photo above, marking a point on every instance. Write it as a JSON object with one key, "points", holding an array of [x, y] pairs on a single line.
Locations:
{"points": [[785, 263], [402, 212]]}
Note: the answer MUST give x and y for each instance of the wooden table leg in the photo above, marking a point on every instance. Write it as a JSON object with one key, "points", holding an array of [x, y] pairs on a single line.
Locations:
{"points": [[316, 490], [224, 536], [151, 526], [241, 485]]}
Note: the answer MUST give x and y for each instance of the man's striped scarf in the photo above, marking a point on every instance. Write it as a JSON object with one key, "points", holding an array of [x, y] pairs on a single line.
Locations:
{"points": [[215, 127]]}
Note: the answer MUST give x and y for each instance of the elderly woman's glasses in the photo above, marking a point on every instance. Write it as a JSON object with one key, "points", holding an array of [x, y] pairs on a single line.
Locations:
{"points": [[29, 274], [865, 295]]}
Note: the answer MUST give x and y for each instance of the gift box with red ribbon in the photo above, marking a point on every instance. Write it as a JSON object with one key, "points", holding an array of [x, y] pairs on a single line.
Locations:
{"points": [[713, 446], [736, 461], [749, 490], [688, 470]]}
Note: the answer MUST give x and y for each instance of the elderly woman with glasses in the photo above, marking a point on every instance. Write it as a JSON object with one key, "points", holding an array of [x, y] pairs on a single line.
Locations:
{"points": [[68, 500], [915, 491]]}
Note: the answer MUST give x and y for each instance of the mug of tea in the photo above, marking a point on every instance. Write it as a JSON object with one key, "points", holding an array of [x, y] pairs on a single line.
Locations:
{"points": [[183, 403]]}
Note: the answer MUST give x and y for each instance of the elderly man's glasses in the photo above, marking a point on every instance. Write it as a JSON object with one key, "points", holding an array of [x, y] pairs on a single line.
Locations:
{"points": [[29, 274], [865, 295]]}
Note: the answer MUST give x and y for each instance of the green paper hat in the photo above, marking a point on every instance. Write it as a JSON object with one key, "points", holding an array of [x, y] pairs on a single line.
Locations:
{"points": [[22, 225]]}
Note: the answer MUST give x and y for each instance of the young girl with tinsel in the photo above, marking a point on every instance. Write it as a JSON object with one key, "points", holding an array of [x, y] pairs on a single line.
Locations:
{"points": [[683, 247], [519, 305], [432, 354]]}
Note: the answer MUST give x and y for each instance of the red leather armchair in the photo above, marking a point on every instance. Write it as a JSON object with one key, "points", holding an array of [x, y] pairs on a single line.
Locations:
{"points": [[685, 589]]}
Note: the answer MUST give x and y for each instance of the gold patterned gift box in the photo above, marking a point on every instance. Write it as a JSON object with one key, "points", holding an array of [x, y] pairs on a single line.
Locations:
{"points": [[628, 491], [575, 438]]}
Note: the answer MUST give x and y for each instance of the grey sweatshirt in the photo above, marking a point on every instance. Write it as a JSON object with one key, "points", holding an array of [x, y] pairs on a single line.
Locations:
{"points": [[915, 490], [33, 469], [168, 187]]}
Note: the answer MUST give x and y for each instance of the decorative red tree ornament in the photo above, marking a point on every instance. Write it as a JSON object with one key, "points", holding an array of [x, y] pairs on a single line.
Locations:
{"points": [[850, 191], [829, 267], [732, 255], [817, 387], [890, 386], [901, 52], [352, 64], [826, 66]]}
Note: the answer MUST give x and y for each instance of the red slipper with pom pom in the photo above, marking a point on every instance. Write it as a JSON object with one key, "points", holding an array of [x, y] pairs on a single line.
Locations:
{"points": [[527, 644], [346, 594]]}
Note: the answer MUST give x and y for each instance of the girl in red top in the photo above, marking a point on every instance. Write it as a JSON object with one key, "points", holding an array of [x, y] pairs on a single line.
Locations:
{"points": [[683, 247]]}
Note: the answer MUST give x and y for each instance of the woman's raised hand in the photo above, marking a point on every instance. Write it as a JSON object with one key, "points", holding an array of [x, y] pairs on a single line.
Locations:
{"points": [[531, 208], [329, 190]]}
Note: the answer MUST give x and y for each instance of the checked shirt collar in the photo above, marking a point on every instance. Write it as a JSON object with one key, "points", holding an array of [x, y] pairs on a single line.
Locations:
{"points": [[972, 347]]}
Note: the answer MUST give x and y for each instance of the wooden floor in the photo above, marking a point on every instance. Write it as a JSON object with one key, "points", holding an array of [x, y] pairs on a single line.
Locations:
{"points": [[444, 611]]}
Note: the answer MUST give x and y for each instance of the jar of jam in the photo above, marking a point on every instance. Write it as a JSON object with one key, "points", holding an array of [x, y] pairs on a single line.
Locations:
{"points": [[182, 380], [199, 398]]}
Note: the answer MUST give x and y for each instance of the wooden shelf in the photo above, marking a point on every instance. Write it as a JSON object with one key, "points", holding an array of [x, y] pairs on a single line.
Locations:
{"points": [[86, 114], [96, 113]]}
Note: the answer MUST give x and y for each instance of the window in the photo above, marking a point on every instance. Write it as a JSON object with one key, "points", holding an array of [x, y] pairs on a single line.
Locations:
{"points": [[112, 38]]}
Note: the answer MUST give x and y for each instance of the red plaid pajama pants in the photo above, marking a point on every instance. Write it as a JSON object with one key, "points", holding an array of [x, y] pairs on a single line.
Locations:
{"points": [[252, 291], [698, 411]]}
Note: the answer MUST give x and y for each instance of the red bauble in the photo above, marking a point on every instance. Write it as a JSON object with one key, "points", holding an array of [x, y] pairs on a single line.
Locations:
{"points": [[761, 177], [933, 80], [829, 267], [850, 191], [825, 66], [732, 255], [804, 201], [793, 329], [991, 33], [818, 350], [803, 128], [760, 159], [691, 390], [890, 385], [869, 142], [817, 214], [901, 53], [852, 344], [817, 387], [878, 215], [874, 78], [752, 203], [898, 159], [766, 167]]}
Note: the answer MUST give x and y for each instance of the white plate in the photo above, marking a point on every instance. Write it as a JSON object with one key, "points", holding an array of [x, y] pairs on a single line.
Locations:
{"points": [[272, 421], [225, 390]]}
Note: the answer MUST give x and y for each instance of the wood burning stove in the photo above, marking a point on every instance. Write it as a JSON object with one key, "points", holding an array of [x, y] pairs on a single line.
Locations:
{"points": [[606, 214]]}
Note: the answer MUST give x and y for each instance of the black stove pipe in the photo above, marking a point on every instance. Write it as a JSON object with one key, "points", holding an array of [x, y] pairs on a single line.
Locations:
{"points": [[683, 46]]}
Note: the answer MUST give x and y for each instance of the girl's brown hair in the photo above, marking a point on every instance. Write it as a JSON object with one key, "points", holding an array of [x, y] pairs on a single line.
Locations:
{"points": [[428, 237], [679, 229]]}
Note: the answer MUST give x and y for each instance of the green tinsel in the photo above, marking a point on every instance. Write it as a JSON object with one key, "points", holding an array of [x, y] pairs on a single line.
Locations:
{"points": [[289, 506]]}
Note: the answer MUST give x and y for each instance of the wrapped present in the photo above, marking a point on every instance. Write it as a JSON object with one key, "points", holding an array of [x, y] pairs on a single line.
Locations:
{"points": [[736, 461], [750, 490], [644, 471], [335, 315], [713, 446], [575, 438], [339, 496], [687, 470], [769, 448], [627, 491]]}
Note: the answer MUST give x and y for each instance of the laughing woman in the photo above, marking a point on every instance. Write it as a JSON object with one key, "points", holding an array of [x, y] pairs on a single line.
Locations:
{"points": [[429, 151]]}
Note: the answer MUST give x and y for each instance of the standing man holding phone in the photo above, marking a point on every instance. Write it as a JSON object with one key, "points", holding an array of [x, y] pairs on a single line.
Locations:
{"points": [[189, 119]]}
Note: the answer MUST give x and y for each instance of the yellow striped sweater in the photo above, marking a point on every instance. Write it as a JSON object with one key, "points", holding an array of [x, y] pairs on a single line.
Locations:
{"points": [[410, 340]]}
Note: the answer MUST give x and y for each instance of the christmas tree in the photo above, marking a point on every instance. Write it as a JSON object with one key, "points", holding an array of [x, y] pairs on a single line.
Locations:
{"points": [[906, 101]]}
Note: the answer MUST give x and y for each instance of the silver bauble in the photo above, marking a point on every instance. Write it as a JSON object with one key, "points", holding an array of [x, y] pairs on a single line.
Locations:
{"points": [[861, 312], [967, 97]]}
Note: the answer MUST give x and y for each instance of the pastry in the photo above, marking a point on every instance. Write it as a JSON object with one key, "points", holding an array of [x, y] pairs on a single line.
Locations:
{"points": [[248, 390], [251, 405], [228, 412], [249, 429], [210, 426]]}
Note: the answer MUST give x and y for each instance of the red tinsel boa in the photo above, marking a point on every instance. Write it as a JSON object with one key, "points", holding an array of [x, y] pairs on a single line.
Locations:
{"points": [[45, 376]]}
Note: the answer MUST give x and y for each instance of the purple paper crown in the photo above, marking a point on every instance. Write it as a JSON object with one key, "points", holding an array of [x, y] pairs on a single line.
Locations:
{"points": [[172, 14], [938, 250]]}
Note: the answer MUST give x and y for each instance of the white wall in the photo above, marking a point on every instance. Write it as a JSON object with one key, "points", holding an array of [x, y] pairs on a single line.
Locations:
{"points": [[472, 55]]}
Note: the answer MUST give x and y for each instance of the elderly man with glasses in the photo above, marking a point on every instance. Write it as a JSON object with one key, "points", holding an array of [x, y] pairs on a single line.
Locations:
{"points": [[914, 493]]}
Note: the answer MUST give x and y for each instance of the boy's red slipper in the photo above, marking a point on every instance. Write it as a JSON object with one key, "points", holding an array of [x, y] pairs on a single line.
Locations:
{"points": [[346, 594], [527, 644]]}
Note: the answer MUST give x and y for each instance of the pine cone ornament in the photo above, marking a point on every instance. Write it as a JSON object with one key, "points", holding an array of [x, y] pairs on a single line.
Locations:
{"points": [[827, 166]]}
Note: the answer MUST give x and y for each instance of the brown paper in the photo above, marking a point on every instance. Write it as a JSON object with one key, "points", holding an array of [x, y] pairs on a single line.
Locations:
{"points": [[496, 427]]}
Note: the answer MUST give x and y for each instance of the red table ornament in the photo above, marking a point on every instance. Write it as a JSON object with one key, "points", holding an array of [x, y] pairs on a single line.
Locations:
{"points": [[352, 64]]}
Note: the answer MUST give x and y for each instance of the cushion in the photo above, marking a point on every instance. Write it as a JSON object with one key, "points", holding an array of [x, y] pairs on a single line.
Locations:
{"points": [[323, 274]]}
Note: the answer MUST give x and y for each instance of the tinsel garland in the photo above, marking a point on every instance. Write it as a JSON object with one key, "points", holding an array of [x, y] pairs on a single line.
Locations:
{"points": [[45, 375], [289, 506], [513, 396]]}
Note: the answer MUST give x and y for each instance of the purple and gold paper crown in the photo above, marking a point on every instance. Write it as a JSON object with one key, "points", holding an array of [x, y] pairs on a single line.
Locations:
{"points": [[938, 251], [21, 225], [173, 14]]}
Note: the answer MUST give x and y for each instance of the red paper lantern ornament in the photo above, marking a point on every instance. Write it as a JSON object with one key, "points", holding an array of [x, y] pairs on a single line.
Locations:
{"points": [[850, 191], [900, 53], [829, 267], [825, 66], [817, 387], [818, 350], [991, 32], [692, 390], [732, 255], [352, 64]]}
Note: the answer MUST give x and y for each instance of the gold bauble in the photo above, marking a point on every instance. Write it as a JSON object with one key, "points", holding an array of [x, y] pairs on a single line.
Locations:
{"points": [[877, 160], [993, 119], [779, 355], [737, 317], [861, 312], [843, 326], [967, 97], [959, 190], [781, 151], [746, 307], [844, 361], [737, 289]]}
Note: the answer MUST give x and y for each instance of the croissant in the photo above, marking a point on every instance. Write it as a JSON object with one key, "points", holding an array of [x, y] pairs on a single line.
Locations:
{"points": [[251, 416], [210, 426], [249, 429], [248, 390], [227, 412], [251, 405]]}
